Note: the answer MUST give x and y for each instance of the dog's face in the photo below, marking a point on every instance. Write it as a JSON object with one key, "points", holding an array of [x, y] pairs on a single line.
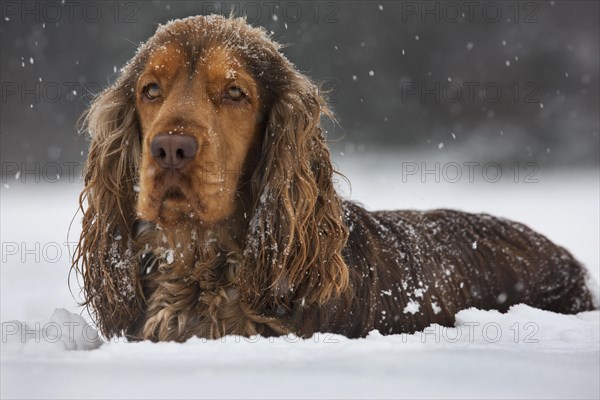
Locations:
{"points": [[200, 121]]}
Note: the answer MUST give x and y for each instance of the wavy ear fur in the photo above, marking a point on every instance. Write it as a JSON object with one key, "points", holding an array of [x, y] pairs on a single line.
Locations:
{"points": [[105, 256], [295, 239]]}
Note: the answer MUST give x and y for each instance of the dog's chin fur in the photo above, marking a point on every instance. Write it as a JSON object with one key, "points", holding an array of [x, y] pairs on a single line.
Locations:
{"points": [[173, 211], [169, 200]]}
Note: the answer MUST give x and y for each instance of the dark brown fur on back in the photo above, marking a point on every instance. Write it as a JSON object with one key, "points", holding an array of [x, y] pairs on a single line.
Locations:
{"points": [[414, 268], [269, 247]]}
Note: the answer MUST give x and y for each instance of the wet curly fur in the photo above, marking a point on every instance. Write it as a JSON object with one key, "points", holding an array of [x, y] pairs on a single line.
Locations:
{"points": [[275, 250]]}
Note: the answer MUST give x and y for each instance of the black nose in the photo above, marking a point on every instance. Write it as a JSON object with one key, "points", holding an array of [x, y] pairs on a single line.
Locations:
{"points": [[173, 151]]}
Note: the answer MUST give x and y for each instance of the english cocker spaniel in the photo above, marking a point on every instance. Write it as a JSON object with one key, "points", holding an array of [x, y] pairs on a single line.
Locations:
{"points": [[210, 209]]}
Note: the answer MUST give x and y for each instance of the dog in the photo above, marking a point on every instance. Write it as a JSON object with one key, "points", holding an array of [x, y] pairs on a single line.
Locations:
{"points": [[209, 209]]}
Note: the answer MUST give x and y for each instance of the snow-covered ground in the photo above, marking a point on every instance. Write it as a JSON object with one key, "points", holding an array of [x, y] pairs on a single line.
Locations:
{"points": [[524, 353]]}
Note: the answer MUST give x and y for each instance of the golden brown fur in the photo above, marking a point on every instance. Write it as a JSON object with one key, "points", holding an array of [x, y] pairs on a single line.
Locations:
{"points": [[250, 237]]}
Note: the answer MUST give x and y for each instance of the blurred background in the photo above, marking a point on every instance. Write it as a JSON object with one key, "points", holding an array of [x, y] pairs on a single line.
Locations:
{"points": [[503, 81]]}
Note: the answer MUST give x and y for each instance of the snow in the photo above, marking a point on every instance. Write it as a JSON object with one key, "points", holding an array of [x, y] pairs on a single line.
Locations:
{"points": [[63, 331], [412, 307], [48, 350], [540, 353]]}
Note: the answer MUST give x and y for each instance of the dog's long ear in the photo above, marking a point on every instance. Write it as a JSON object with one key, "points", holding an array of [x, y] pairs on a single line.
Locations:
{"points": [[105, 257], [297, 233]]}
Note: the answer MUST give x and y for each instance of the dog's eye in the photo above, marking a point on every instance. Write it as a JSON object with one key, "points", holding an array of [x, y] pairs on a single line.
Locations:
{"points": [[234, 93], [151, 91]]}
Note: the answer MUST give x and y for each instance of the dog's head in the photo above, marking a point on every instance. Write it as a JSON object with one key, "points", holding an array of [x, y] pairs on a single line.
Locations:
{"points": [[201, 93]]}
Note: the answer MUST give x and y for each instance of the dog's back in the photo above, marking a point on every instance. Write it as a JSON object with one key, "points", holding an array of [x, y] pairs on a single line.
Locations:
{"points": [[413, 268]]}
